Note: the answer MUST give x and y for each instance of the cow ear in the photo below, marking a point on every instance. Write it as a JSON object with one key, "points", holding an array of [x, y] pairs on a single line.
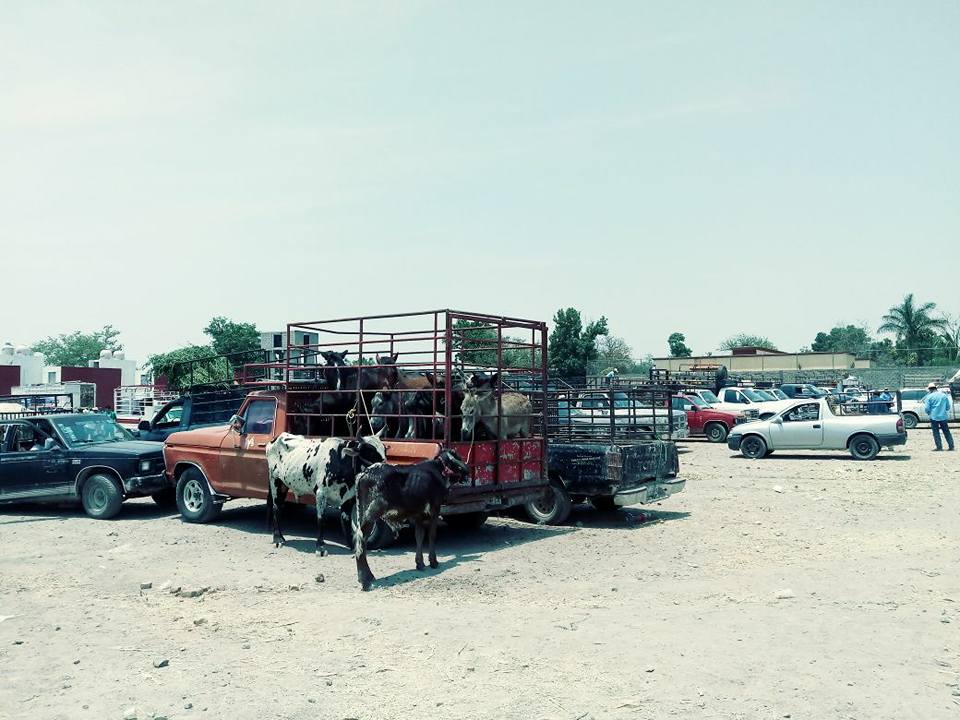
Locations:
{"points": [[494, 379]]}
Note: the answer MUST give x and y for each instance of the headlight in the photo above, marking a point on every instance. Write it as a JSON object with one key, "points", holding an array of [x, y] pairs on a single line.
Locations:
{"points": [[144, 466]]}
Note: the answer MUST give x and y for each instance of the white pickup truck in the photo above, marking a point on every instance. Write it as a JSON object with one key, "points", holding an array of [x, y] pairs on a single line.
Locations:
{"points": [[812, 425], [913, 410], [742, 400]]}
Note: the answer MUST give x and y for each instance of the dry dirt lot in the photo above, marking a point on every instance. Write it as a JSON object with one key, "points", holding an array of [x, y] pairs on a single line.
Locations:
{"points": [[798, 586]]}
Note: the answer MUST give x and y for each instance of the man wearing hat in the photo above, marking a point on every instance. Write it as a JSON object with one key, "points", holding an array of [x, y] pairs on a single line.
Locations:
{"points": [[938, 406]]}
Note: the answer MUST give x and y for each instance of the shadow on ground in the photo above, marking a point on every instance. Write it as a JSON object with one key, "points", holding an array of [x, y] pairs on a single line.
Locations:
{"points": [[838, 457], [60, 511]]}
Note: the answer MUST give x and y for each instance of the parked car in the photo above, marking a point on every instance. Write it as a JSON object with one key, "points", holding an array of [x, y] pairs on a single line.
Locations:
{"points": [[86, 457], [812, 425], [734, 399], [200, 409], [703, 420], [912, 406], [802, 390], [591, 409], [712, 401], [611, 461]]}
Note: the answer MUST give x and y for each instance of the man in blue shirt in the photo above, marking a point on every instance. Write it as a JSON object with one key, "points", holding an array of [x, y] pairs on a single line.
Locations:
{"points": [[938, 406]]}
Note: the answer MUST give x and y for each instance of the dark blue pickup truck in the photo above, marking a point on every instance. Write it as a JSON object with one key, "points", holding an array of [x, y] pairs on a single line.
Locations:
{"points": [[78, 456]]}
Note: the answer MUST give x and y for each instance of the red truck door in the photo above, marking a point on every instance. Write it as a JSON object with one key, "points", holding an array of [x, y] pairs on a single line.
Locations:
{"points": [[243, 462]]}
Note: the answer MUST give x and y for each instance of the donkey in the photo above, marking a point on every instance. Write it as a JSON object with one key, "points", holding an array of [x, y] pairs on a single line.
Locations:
{"points": [[479, 409]]}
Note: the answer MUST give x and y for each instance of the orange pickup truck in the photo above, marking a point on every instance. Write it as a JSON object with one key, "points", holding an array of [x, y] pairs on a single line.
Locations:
{"points": [[211, 465]]}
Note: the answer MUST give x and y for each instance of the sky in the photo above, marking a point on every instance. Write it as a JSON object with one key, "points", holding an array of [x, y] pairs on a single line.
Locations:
{"points": [[709, 168]]}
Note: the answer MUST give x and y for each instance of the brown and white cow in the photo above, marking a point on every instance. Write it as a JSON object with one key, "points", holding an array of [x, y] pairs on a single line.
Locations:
{"points": [[326, 469]]}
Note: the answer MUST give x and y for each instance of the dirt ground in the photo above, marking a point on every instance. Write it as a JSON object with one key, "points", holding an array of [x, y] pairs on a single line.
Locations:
{"points": [[803, 586]]}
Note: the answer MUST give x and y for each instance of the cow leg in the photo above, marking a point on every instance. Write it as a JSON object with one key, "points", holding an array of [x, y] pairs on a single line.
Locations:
{"points": [[419, 530], [368, 513], [278, 495], [434, 519], [321, 498]]}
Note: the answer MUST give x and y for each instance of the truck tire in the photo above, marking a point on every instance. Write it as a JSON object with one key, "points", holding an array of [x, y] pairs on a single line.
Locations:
{"points": [[603, 502], [166, 499], [716, 432], [194, 500], [553, 509], [381, 536], [101, 497], [466, 521], [910, 421], [864, 447], [753, 447]]}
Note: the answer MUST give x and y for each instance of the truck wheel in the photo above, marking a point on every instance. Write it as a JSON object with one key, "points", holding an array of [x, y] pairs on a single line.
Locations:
{"points": [[194, 500], [167, 499], [466, 521], [101, 497], [753, 447], [910, 421], [715, 432], [864, 447], [603, 502], [553, 508], [381, 536]]}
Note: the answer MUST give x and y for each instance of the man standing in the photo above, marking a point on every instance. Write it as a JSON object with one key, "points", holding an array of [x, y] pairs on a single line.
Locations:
{"points": [[938, 406]]}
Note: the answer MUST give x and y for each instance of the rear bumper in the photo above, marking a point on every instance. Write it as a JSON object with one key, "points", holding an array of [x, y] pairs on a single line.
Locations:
{"points": [[145, 484], [650, 492], [733, 441], [493, 500], [894, 439]]}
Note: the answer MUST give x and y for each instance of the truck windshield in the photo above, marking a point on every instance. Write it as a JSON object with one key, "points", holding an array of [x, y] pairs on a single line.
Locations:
{"points": [[695, 400], [753, 395], [89, 430], [709, 397], [765, 394]]}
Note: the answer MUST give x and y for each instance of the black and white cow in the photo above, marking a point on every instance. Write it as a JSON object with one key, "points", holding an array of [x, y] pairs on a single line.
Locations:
{"points": [[401, 493], [326, 469]]}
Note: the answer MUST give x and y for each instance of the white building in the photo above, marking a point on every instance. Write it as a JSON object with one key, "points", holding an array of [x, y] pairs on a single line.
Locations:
{"points": [[31, 364], [275, 342]]}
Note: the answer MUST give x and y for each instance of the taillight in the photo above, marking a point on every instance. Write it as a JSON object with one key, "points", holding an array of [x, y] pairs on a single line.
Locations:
{"points": [[900, 425]]}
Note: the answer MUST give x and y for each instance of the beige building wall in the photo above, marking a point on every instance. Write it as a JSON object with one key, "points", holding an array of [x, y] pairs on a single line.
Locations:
{"points": [[755, 363]]}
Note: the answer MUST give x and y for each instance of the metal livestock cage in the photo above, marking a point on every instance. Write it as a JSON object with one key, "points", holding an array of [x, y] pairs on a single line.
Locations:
{"points": [[411, 376]]}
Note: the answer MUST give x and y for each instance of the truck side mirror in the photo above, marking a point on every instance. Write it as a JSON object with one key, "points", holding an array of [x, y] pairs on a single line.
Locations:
{"points": [[143, 425], [237, 423]]}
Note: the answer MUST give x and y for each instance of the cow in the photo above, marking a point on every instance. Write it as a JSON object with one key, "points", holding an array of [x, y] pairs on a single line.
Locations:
{"points": [[397, 494], [479, 409], [326, 469]]}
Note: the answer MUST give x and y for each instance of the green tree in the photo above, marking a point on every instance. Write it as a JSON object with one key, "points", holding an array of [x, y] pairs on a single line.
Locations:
{"points": [[853, 339], [915, 328], [77, 348], [228, 337], [678, 345], [573, 347], [950, 338], [747, 340], [614, 352], [170, 365], [476, 345]]}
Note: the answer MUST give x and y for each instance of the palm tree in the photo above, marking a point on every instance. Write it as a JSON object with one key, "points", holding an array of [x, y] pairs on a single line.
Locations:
{"points": [[914, 326]]}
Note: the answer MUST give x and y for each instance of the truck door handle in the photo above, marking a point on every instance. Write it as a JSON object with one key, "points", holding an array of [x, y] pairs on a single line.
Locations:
{"points": [[816, 427], [263, 444]]}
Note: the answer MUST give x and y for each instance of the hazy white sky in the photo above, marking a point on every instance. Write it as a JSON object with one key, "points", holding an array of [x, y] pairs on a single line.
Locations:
{"points": [[704, 167]]}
